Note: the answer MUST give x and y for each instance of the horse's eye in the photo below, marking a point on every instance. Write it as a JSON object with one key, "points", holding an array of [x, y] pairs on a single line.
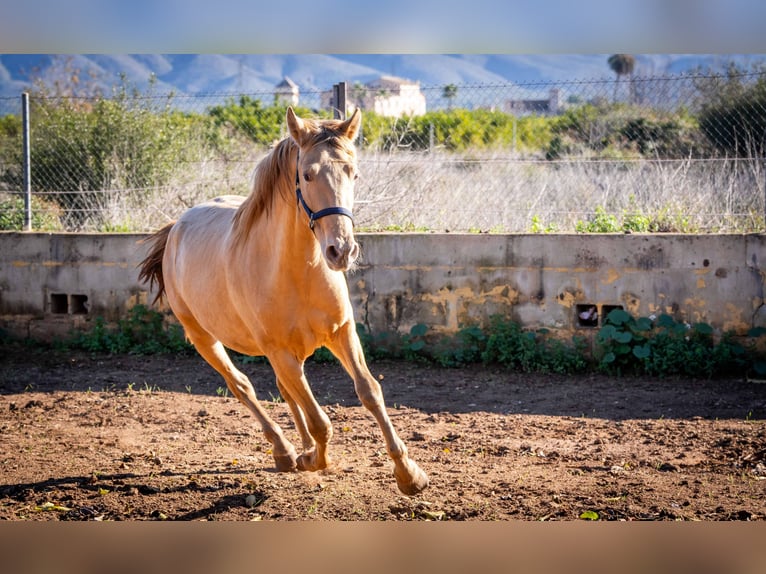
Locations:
{"points": [[306, 176], [356, 175]]}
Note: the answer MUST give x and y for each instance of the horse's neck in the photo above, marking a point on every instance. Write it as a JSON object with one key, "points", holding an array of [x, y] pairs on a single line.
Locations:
{"points": [[284, 238]]}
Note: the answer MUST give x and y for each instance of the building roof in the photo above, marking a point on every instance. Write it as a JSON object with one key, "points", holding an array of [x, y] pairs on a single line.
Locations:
{"points": [[287, 83], [390, 82]]}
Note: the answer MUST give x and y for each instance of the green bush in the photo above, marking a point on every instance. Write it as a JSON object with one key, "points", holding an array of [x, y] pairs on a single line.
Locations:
{"points": [[456, 130], [732, 111], [508, 344], [662, 346], [10, 151], [46, 216], [250, 118], [625, 345], [142, 332], [502, 342], [602, 222], [128, 143], [621, 130]]}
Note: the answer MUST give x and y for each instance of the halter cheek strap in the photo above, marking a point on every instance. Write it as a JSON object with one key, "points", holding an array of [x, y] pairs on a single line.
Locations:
{"points": [[314, 215]]}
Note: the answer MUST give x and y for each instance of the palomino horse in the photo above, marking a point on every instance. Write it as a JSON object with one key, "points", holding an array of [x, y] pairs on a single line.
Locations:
{"points": [[263, 275]]}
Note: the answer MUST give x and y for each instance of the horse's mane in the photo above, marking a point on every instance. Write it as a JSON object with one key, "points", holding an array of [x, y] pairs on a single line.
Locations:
{"points": [[273, 176]]}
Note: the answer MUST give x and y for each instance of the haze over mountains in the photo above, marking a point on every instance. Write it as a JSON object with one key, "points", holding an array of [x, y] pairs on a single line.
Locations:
{"points": [[254, 73]]}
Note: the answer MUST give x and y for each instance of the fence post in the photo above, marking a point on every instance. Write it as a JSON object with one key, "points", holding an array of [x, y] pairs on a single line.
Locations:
{"points": [[26, 162], [339, 100], [431, 138]]}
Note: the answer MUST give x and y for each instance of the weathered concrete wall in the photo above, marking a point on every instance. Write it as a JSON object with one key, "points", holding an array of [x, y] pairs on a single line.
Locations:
{"points": [[542, 280], [52, 282]]}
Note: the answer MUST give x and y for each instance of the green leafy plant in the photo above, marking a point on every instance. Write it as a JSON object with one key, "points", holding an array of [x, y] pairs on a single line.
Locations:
{"points": [[142, 332], [510, 345], [464, 348], [414, 343], [657, 346], [602, 222], [83, 146], [323, 355], [624, 340], [662, 346], [539, 227], [262, 124], [46, 215]]}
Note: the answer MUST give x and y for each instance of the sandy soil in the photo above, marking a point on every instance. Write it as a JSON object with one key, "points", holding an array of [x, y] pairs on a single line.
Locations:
{"points": [[95, 437]]}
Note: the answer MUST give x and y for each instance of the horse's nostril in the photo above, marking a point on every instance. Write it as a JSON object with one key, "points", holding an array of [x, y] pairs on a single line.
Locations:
{"points": [[332, 253]]}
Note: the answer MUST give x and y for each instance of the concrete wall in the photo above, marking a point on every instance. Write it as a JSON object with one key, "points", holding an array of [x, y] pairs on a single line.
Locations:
{"points": [[50, 283]]}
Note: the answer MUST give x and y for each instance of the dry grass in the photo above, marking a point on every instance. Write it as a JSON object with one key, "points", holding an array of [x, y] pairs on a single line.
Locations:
{"points": [[490, 192], [502, 193]]}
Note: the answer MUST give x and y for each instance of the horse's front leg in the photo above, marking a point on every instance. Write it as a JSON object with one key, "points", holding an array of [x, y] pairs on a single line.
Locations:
{"points": [[410, 478], [241, 387], [310, 420]]}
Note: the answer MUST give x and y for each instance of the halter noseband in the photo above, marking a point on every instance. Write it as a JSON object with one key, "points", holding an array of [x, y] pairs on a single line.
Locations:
{"points": [[314, 215]]}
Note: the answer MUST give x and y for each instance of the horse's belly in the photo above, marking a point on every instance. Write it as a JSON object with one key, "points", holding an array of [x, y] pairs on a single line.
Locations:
{"points": [[252, 309]]}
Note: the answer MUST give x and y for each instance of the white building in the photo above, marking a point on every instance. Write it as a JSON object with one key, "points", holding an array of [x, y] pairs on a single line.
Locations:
{"points": [[549, 106], [387, 96], [287, 92], [394, 97]]}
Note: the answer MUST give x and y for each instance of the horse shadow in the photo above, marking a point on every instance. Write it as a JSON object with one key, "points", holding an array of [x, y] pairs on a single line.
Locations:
{"points": [[129, 484]]}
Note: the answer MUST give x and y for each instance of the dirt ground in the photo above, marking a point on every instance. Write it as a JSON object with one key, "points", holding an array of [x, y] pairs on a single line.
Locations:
{"points": [[96, 437]]}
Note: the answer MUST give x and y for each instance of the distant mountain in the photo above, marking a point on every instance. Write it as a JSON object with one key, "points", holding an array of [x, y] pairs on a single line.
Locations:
{"points": [[259, 73]]}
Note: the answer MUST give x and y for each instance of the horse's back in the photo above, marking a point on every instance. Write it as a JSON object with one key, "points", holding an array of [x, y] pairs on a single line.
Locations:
{"points": [[194, 254], [207, 224], [216, 211]]}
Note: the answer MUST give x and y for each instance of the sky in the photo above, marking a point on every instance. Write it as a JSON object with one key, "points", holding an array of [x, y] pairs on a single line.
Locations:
{"points": [[394, 26]]}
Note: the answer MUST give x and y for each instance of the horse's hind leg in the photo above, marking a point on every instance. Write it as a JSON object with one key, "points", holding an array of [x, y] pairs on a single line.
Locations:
{"points": [[410, 478], [298, 417], [241, 387]]}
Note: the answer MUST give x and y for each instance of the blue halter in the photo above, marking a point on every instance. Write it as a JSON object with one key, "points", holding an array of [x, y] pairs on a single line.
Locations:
{"points": [[314, 215]]}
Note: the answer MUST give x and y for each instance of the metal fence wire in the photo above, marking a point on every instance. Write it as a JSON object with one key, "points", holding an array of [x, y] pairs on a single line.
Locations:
{"points": [[625, 154]]}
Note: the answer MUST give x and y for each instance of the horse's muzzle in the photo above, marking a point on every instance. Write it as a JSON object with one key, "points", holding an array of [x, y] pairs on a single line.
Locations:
{"points": [[343, 257]]}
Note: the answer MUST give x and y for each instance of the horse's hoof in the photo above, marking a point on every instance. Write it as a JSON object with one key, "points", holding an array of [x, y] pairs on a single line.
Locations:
{"points": [[285, 462], [411, 479], [309, 461]]}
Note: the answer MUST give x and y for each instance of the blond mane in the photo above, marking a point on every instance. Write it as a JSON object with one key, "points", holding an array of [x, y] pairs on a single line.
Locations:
{"points": [[273, 174]]}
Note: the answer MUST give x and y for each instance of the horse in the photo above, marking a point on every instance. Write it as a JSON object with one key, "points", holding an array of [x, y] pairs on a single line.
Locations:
{"points": [[263, 275]]}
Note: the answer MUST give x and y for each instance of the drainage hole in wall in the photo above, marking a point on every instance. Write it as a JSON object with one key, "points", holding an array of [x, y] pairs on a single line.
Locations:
{"points": [[78, 304], [587, 315], [59, 303]]}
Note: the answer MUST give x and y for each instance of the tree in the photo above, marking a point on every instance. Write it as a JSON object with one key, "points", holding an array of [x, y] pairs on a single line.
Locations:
{"points": [[732, 108], [358, 94], [449, 93], [621, 65]]}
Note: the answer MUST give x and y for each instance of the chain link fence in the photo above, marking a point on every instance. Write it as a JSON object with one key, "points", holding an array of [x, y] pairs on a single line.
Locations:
{"points": [[631, 154]]}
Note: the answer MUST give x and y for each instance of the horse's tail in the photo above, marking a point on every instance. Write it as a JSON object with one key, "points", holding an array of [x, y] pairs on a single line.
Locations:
{"points": [[151, 266]]}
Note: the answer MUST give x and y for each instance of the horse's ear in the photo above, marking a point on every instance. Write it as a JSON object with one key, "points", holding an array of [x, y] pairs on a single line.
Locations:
{"points": [[295, 125], [352, 124]]}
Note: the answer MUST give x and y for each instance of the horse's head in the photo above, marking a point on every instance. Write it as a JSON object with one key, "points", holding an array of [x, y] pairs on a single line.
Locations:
{"points": [[325, 177]]}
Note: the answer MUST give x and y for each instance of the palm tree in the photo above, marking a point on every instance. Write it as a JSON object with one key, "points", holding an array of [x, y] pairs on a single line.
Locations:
{"points": [[621, 65], [449, 92]]}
